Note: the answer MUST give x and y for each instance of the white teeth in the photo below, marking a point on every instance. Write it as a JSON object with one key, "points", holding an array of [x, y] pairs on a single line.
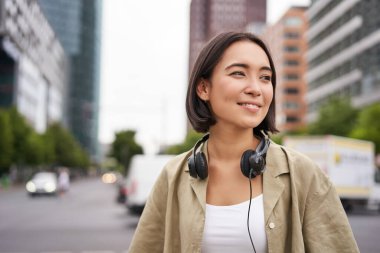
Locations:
{"points": [[250, 105]]}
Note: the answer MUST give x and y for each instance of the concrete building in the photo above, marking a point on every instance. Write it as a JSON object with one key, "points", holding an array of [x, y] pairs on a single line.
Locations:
{"points": [[211, 17], [33, 64], [288, 46], [78, 25], [344, 52]]}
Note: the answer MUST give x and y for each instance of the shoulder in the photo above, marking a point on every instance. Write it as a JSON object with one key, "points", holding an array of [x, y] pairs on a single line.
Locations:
{"points": [[300, 167], [284, 159], [298, 159], [177, 166]]}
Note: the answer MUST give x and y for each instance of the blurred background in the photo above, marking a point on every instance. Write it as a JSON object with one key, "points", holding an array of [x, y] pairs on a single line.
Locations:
{"points": [[92, 97]]}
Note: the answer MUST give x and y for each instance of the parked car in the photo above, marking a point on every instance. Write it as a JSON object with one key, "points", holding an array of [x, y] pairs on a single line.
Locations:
{"points": [[143, 172], [42, 183]]}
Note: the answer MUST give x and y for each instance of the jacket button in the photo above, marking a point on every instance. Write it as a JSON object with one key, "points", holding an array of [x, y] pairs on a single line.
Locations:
{"points": [[272, 225]]}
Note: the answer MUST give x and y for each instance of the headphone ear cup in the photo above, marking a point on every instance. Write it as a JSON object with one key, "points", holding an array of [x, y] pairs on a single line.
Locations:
{"points": [[201, 165], [257, 162], [245, 165], [191, 163]]}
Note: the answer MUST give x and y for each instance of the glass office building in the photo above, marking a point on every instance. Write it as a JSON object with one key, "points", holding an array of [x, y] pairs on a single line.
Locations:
{"points": [[33, 64], [78, 25]]}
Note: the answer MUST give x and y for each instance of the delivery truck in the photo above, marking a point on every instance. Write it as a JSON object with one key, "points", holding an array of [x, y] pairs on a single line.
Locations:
{"points": [[349, 163], [143, 173]]}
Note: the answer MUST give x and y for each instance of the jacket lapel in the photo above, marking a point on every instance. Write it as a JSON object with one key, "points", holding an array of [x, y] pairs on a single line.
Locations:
{"points": [[200, 186], [272, 186]]}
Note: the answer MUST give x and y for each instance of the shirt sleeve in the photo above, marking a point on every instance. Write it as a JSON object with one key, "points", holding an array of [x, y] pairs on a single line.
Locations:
{"points": [[326, 227], [150, 232]]}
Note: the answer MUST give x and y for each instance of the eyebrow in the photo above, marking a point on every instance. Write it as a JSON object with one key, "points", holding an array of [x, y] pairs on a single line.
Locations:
{"points": [[243, 65]]}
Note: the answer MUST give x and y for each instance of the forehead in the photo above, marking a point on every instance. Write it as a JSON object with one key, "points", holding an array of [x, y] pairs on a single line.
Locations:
{"points": [[245, 51]]}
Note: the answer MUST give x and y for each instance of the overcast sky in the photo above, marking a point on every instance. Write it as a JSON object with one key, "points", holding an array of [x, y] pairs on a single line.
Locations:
{"points": [[144, 68]]}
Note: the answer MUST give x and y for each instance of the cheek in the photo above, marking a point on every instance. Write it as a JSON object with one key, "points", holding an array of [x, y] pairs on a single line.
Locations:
{"points": [[268, 94]]}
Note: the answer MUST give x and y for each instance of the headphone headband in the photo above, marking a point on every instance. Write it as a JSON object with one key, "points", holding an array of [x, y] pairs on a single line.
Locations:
{"points": [[200, 141]]}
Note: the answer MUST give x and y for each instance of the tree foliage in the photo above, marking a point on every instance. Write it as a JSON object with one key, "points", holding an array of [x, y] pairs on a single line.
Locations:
{"points": [[6, 142], [66, 150], [124, 147], [368, 125], [21, 145], [191, 138], [20, 132], [336, 117], [34, 149], [278, 137]]}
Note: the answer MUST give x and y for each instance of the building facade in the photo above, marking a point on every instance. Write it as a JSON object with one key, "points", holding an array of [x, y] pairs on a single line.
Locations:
{"points": [[78, 25], [211, 17], [288, 47], [33, 65], [344, 52]]}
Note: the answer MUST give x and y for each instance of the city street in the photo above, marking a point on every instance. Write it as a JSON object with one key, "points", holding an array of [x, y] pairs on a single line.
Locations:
{"points": [[88, 219], [85, 219]]}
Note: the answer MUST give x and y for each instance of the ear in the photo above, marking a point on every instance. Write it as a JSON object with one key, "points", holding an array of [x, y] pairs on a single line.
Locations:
{"points": [[203, 90]]}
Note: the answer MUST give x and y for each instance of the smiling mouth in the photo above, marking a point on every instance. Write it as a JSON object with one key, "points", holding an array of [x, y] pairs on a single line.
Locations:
{"points": [[249, 105]]}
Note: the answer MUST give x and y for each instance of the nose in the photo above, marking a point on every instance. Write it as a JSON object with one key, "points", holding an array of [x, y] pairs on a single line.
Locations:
{"points": [[253, 87]]}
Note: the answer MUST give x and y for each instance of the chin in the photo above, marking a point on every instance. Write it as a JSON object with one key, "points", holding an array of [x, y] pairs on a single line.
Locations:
{"points": [[251, 125]]}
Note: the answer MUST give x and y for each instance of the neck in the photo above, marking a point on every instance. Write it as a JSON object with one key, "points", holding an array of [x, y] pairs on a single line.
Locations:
{"points": [[230, 145]]}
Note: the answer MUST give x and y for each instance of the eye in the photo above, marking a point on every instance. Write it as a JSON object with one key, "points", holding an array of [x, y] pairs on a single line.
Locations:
{"points": [[237, 73], [267, 78]]}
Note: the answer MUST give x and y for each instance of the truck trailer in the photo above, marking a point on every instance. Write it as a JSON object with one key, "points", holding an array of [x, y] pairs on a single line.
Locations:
{"points": [[349, 163]]}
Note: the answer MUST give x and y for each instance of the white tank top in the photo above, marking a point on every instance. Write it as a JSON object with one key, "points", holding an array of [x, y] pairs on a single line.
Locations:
{"points": [[226, 228]]}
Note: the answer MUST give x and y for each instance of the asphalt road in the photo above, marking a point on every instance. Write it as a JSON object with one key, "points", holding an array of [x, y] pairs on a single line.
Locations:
{"points": [[85, 219], [88, 220]]}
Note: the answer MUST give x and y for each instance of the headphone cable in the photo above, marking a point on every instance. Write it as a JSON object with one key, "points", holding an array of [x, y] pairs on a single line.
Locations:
{"points": [[249, 209]]}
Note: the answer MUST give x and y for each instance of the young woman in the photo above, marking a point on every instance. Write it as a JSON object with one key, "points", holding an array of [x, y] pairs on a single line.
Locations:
{"points": [[236, 191]]}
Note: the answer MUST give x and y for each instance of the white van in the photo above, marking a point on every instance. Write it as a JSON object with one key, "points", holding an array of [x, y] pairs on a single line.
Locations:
{"points": [[143, 173]]}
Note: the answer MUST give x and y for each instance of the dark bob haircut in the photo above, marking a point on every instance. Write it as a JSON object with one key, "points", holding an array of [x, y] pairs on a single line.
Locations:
{"points": [[198, 111]]}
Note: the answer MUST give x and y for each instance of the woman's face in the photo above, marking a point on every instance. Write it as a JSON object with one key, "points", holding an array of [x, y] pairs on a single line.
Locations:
{"points": [[240, 90]]}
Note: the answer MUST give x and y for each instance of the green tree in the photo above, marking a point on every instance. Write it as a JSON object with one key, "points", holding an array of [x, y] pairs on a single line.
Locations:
{"points": [[49, 148], [336, 117], [20, 132], [191, 138], [6, 142], [34, 149], [368, 125], [124, 147], [278, 137], [66, 150]]}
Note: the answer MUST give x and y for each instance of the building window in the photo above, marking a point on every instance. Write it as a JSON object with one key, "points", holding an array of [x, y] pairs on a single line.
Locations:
{"points": [[291, 105], [293, 21], [291, 49], [291, 77], [291, 63], [291, 119], [291, 91], [291, 35]]}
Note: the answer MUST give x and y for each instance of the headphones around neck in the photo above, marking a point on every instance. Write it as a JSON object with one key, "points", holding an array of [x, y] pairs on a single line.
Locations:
{"points": [[252, 162]]}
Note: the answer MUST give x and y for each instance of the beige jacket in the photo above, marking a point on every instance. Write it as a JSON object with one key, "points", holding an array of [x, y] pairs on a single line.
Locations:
{"points": [[302, 210]]}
